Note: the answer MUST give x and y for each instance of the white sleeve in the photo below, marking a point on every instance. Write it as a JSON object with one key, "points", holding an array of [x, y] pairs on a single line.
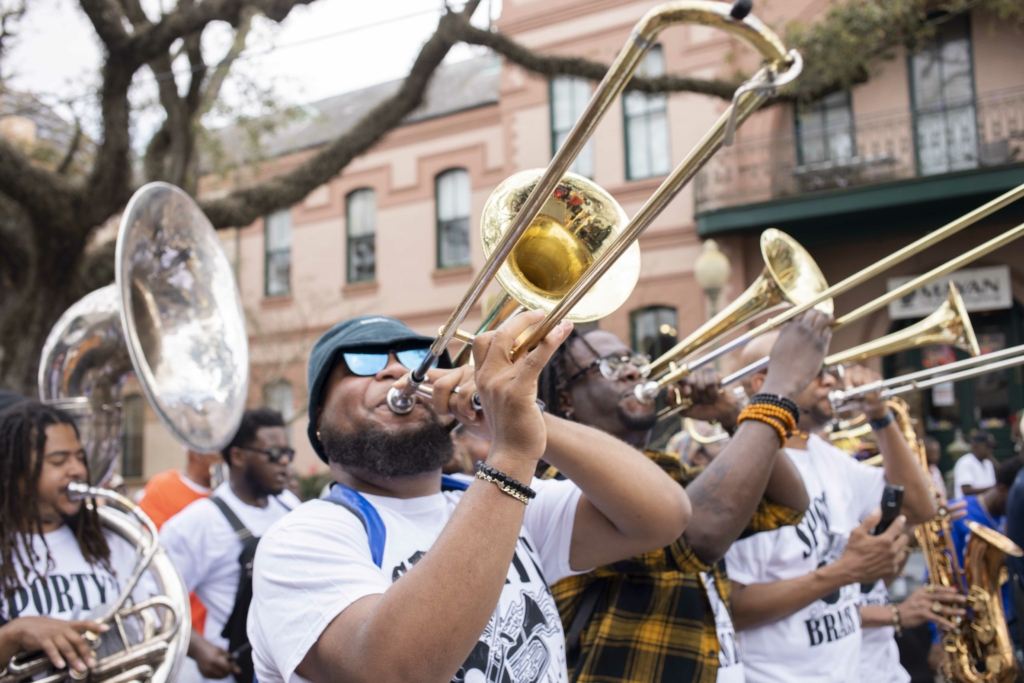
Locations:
{"points": [[549, 520], [310, 566], [184, 536], [866, 484], [963, 475], [747, 558]]}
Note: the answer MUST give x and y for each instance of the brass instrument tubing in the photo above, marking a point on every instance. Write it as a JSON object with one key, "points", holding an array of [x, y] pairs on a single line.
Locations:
{"points": [[874, 269], [870, 307], [715, 14], [81, 491], [956, 376], [983, 360]]}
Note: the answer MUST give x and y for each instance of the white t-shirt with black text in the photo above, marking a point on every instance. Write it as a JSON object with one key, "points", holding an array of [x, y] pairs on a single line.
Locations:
{"points": [[71, 588], [879, 654], [821, 642], [201, 543], [316, 562]]}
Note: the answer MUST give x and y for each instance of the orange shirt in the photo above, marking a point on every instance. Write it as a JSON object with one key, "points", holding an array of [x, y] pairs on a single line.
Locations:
{"points": [[165, 496]]}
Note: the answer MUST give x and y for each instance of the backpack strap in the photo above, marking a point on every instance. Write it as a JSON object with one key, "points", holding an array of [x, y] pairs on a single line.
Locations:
{"points": [[584, 613], [353, 501], [449, 483], [241, 530]]}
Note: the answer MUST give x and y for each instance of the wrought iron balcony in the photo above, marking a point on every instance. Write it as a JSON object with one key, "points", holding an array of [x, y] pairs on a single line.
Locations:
{"points": [[985, 132]]}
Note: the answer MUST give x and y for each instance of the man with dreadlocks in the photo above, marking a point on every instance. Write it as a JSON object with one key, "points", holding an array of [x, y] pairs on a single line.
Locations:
{"points": [[58, 564], [665, 615]]}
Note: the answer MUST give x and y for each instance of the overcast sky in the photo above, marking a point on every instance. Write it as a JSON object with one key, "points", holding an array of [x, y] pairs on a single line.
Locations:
{"points": [[56, 52]]}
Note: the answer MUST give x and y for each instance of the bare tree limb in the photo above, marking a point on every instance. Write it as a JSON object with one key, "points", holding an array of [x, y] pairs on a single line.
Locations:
{"points": [[553, 65], [44, 195], [69, 155], [105, 16], [220, 72], [243, 206]]}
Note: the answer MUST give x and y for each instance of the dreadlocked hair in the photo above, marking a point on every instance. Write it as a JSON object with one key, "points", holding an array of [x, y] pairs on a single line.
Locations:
{"points": [[22, 434], [554, 380]]}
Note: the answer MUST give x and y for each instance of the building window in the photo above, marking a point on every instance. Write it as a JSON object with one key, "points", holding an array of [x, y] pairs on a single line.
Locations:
{"points": [[277, 241], [569, 97], [278, 395], [942, 79], [655, 329], [361, 219], [133, 413], [824, 130], [453, 205], [648, 150]]}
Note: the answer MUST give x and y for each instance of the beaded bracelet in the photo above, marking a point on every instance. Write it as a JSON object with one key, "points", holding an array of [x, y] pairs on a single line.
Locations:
{"points": [[897, 620], [777, 418], [518, 490], [776, 400]]}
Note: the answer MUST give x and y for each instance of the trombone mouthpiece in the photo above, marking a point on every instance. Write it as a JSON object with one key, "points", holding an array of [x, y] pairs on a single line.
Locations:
{"points": [[646, 392], [399, 402], [79, 491], [740, 9]]}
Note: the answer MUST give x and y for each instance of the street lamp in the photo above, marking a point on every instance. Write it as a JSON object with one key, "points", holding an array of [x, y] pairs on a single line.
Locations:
{"points": [[712, 272]]}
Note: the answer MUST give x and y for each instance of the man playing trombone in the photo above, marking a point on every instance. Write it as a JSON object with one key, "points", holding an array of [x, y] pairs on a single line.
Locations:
{"points": [[795, 589], [405, 575], [681, 592]]}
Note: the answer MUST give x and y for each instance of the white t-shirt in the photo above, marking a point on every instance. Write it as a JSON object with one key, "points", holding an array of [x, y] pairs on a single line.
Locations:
{"points": [[821, 642], [317, 561], [879, 655], [201, 543], [71, 589], [970, 471], [730, 664]]}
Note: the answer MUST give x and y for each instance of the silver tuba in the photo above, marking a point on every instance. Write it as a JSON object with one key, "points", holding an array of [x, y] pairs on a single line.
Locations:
{"points": [[173, 320]]}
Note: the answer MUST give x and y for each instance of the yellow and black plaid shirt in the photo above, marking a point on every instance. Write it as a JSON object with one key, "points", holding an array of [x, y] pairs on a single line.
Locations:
{"points": [[653, 622]]}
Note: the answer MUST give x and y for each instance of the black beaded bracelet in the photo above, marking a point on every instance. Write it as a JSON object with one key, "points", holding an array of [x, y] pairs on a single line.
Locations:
{"points": [[882, 422], [504, 481], [787, 404]]}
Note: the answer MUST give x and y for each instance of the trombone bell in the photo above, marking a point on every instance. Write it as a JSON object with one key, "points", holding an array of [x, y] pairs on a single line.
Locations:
{"points": [[576, 224], [948, 324]]}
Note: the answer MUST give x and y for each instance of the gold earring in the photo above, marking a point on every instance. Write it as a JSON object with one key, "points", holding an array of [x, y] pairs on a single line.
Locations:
{"points": [[318, 435]]}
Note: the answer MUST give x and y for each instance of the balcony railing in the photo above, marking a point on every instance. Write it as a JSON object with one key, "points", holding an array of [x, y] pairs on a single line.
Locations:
{"points": [[985, 132]]}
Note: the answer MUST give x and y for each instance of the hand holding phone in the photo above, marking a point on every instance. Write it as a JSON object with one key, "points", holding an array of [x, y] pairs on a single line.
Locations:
{"points": [[892, 502]]}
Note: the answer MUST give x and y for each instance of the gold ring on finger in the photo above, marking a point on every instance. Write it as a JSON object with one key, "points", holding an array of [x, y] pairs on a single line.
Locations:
{"points": [[937, 607]]}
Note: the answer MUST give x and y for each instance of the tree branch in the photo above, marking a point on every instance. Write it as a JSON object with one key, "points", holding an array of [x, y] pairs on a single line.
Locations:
{"points": [[243, 206], [553, 65], [43, 195], [69, 155], [220, 72], [105, 16]]}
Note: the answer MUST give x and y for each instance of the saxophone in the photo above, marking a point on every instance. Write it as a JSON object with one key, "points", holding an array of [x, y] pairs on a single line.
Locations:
{"points": [[979, 649]]}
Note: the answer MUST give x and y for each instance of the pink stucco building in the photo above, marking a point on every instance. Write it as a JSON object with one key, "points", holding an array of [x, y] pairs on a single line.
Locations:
{"points": [[852, 177]]}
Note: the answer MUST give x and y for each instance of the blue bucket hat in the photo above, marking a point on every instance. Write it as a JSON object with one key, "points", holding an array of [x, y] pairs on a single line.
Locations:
{"points": [[367, 333]]}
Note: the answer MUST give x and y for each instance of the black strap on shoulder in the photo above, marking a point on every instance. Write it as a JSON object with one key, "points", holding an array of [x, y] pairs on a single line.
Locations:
{"points": [[574, 636], [278, 499], [241, 530]]}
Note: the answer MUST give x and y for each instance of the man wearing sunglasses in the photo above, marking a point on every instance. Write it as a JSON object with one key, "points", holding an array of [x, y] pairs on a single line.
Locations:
{"points": [[405, 575], [211, 540]]}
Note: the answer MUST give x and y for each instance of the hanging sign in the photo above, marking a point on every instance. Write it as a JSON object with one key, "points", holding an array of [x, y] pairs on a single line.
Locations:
{"points": [[982, 289]]}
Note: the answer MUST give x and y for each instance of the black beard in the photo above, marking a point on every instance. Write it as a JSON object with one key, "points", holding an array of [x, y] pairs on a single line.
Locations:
{"points": [[637, 423], [388, 455]]}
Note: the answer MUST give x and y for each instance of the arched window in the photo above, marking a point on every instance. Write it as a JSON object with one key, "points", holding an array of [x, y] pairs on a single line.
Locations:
{"points": [[569, 97], [279, 396], [133, 415], [277, 241], [361, 224], [453, 207], [655, 329], [648, 149]]}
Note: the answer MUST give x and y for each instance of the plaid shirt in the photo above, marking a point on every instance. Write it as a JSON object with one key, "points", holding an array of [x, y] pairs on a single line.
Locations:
{"points": [[653, 621]]}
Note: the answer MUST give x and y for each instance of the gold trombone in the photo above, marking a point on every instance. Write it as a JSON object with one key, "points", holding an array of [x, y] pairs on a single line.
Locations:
{"points": [[649, 391], [535, 227]]}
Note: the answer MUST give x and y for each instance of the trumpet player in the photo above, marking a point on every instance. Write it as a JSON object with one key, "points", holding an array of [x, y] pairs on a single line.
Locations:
{"points": [[796, 590], [58, 564], [682, 591], [405, 575]]}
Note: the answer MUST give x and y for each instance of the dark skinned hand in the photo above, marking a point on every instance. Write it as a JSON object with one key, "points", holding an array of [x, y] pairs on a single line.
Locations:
{"points": [[61, 641], [917, 608], [213, 662], [858, 375], [798, 354], [711, 403]]}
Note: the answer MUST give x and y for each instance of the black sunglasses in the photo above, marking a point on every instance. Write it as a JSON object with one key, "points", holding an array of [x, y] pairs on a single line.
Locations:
{"points": [[274, 453]]}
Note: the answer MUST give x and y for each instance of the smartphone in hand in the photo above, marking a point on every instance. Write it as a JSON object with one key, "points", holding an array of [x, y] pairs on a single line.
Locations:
{"points": [[892, 502]]}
